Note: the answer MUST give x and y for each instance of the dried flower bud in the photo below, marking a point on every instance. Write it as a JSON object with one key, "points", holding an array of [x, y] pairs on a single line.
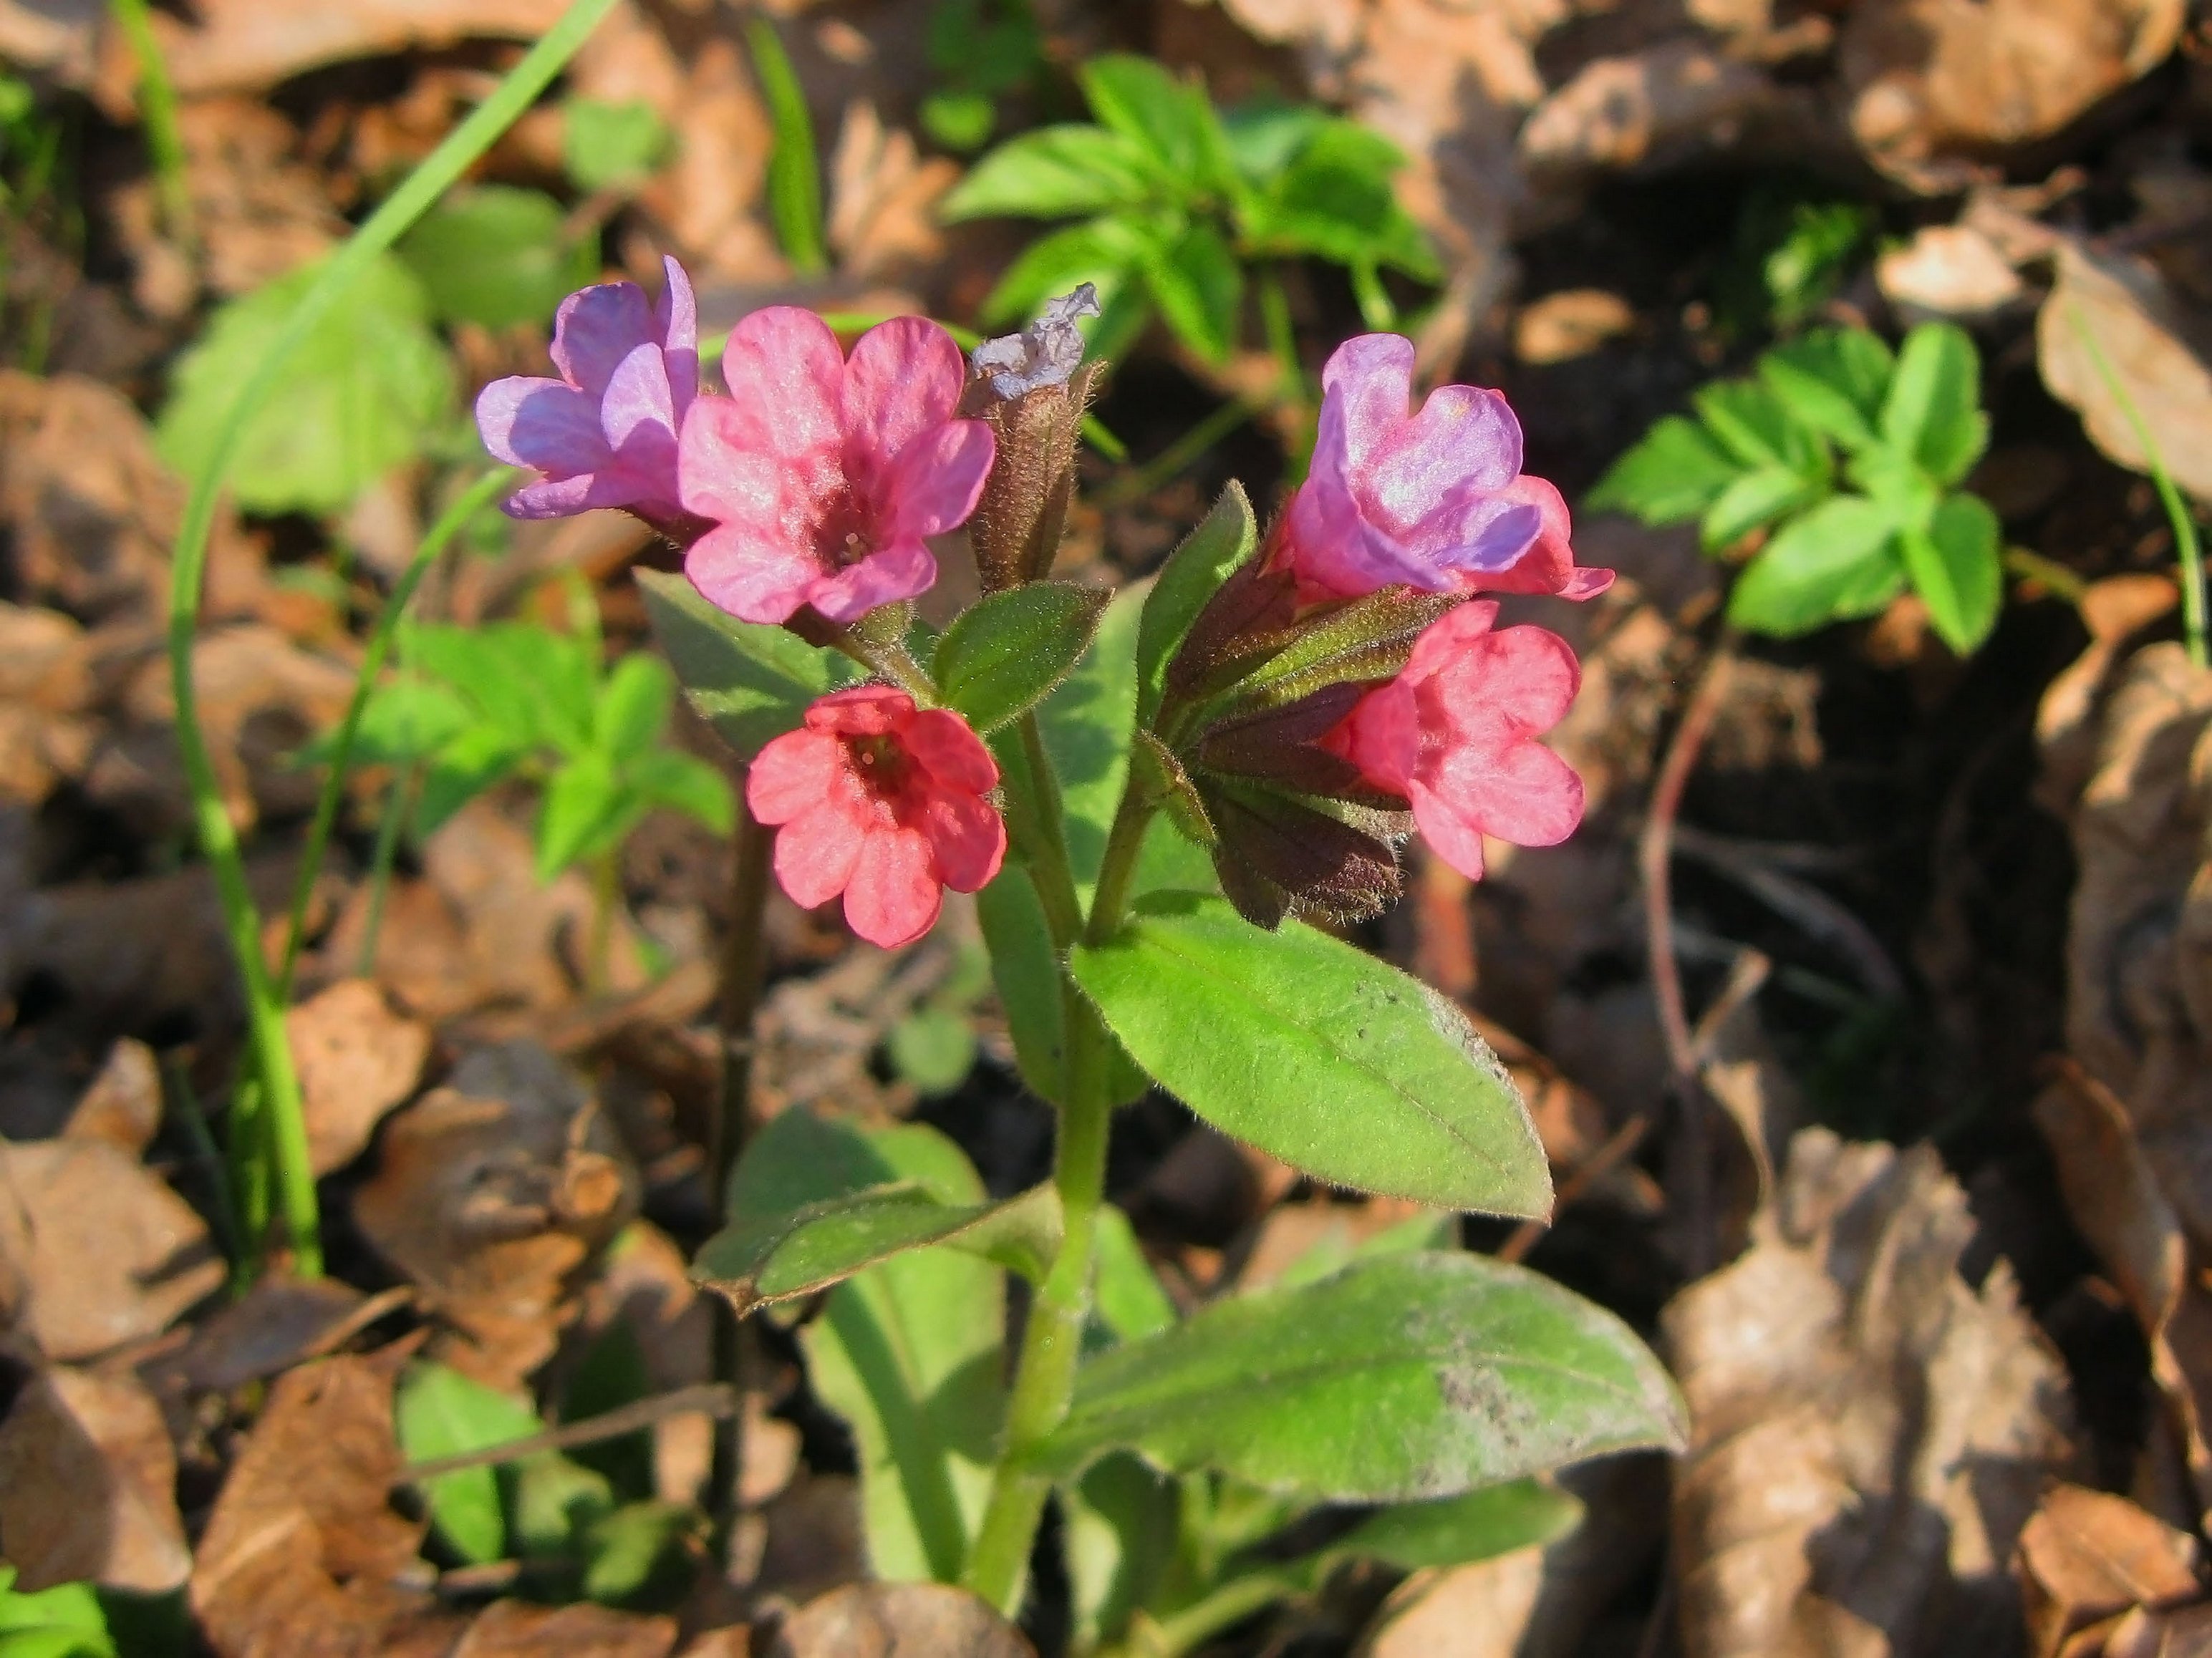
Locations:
{"points": [[1033, 388]]}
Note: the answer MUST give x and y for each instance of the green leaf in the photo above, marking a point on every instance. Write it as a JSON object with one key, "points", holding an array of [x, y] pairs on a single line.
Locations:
{"points": [[959, 121], [1414, 1377], [1336, 198], [1838, 562], [1199, 287], [1266, 135], [778, 1250], [65, 1621], [1757, 497], [359, 397], [933, 1048], [1452, 1531], [907, 1353], [1087, 723], [535, 685], [495, 255], [582, 801], [1140, 100], [557, 1500], [632, 706], [685, 783], [1317, 1054], [404, 720], [1025, 969], [1933, 412], [1833, 380], [1754, 427], [1051, 172], [752, 682], [612, 1373], [1005, 652], [638, 1553], [604, 144], [1957, 568], [794, 169], [464, 767], [440, 1413], [1106, 253], [1130, 1303], [1119, 1542], [1221, 543], [1674, 473]]}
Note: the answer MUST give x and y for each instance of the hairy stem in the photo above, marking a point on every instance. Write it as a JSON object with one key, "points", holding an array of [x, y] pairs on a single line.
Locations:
{"points": [[218, 837]]}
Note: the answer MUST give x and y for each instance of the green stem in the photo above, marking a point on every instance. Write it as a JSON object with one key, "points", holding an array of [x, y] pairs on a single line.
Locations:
{"points": [[246, 1139], [157, 109], [1044, 1382], [218, 837], [454, 519], [1224, 1608]]}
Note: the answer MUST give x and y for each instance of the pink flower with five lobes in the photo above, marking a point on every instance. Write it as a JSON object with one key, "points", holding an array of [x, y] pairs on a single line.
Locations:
{"points": [[603, 434], [1435, 500], [1455, 733], [883, 802], [821, 474]]}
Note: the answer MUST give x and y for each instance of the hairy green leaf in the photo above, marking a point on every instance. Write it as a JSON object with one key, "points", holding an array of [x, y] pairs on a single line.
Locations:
{"points": [[752, 682], [1223, 541], [1006, 652], [1317, 1054]]}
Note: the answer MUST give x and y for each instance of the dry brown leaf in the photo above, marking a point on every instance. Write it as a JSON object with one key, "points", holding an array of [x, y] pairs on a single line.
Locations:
{"points": [[1477, 1611], [1870, 1433], [2087, 1556], [1292, 1231], [807, 1541], [1622, 112], [123, 1103], [94, 1250], [87, 1487], [91, 511], [898, 1620], [2153, 346], [707, 199], [489, 1194], [515, 1629], [1934, 85], [357, 1059], [1948, 270], [247, 46], [304, 1555], [276, 1324], [882, 198], [1570, 324]]}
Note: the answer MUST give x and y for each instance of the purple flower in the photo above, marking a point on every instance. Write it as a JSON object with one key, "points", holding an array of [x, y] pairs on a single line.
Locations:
{"points": [[603, 434]]}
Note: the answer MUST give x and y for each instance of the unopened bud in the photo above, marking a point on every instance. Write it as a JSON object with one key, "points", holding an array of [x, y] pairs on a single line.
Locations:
{"points": [[1031, 392]]}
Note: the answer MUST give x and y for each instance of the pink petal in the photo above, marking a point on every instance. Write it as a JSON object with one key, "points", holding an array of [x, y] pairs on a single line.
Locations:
{"points": [[1366, 385], [1521, 792], [901, 382], [1464, 440], [1474, 532], [529, 421], [793, 773], [1450, 837], [1548, 566], [783, 371], [1448, 638], [968, 837], [772, 498], [676, 315], [1336, 554], [948, 749], [937, 480], [753, 580], [554, 498], [861, 711], [902, 570], [1381, 736], [1479, 714], [596, 328], [893, 897], [638, 416], [816, 853]]}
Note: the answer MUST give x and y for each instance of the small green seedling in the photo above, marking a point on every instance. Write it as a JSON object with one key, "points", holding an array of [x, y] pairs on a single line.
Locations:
{"points": [[1180, 202], [65, 1621], [980, 51], [1792, 251], [1847, 458], [606, 145], [519, 700]]}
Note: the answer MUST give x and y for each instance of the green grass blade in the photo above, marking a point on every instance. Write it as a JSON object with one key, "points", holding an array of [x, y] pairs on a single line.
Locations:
{"points": [[157, 110], [218, 837], [794, 170]]}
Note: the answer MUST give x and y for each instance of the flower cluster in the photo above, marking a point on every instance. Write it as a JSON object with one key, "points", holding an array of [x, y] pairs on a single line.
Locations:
{"points": [[805, 491]]}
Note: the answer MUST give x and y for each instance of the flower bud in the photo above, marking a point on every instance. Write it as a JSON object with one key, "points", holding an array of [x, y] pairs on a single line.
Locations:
{"points": [[1031, 391]]}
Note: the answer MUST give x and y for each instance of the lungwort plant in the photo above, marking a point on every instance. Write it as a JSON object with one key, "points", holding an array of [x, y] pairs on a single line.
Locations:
{"points": [[1846, 458], [1148, 791]]}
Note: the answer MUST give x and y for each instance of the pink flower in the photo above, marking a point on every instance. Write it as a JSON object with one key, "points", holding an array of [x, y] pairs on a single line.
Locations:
{"points": [[603, 434], [823, 475], [1456, 734], [882, 802], [1435, 500]]}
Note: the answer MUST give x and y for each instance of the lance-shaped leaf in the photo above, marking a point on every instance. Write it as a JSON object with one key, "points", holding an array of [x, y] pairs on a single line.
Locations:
{"points": [[1411, 1377], [813, 1202], [1005, 652], [1364, 639], [1221, 546], [1245, 621], [1317, 1054], [752, 682]]}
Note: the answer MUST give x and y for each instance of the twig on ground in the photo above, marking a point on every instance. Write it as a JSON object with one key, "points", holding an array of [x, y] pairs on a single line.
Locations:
{"points": [[711, 1397]]}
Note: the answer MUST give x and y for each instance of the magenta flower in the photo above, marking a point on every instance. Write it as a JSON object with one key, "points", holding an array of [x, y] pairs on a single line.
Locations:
{"points": [[1435, 500], [1455, 733], [883, 802], [603, 434], [822, 475]]}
